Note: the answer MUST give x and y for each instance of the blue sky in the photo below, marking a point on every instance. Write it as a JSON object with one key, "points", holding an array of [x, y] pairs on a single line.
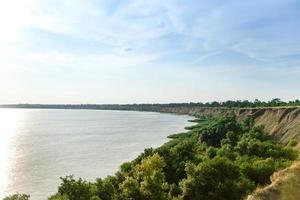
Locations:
{"points": [[77, 51]]}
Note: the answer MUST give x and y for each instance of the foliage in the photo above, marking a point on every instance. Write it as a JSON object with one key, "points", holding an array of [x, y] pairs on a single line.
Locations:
{"points": [[151, 178], [17, 197], [218, 178], [71, 189]]}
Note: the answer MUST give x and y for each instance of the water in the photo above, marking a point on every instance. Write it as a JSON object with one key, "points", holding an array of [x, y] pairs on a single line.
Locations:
{"points": [[39, 146]]}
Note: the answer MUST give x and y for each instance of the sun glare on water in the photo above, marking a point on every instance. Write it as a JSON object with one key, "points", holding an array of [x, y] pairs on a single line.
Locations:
{"points": [[8, 125]]}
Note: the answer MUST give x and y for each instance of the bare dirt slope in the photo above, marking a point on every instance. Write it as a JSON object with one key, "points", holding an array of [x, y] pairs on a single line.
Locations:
{"points": [[282, 123]]}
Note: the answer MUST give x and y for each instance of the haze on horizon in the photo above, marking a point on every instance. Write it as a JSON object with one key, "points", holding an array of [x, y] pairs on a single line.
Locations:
{"points": [[148, 51]]}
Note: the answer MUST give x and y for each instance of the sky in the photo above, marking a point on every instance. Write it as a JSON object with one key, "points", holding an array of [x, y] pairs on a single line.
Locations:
{"points": [[148, 51]]}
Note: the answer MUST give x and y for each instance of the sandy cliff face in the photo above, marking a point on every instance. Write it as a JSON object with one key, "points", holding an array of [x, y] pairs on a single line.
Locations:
{"points": [[282, 123]]}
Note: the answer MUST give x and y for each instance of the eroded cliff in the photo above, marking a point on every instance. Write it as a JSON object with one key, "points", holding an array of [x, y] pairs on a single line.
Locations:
{"points": [[282, 123]]}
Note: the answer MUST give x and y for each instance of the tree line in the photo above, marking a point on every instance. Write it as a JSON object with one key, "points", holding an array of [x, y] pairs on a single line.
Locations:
{"points": [[276, 102]]}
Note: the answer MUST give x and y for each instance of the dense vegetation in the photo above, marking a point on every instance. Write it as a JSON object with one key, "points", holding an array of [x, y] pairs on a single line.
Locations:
{"points": [[216, 159], [276, 102]]}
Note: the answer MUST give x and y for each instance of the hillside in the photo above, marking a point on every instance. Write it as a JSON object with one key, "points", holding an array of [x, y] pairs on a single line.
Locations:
{"points": [[281, 122]]}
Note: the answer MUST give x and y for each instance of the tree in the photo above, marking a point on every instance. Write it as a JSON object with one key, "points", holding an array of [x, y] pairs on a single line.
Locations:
{"points": [[105, 189], [259, 170], [59, 196], [74, 189], [17, 197], [151, 178], [216, 130], [211, 152], [214, 179], [232, 138], [130, 189], [248, 123], [276, 102]]}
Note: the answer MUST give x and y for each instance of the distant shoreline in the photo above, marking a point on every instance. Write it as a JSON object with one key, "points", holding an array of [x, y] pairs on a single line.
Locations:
{"points": [[164, 108]]}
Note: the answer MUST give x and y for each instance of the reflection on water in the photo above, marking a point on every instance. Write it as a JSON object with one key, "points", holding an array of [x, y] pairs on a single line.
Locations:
{"points": [[8, 126], [39, 146]]}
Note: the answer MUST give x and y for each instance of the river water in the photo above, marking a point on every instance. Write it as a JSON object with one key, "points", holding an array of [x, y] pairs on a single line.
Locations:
{"points": [[39, 146]]}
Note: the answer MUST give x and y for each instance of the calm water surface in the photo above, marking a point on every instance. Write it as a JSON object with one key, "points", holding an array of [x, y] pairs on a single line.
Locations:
{"points": [[39, 146]]}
